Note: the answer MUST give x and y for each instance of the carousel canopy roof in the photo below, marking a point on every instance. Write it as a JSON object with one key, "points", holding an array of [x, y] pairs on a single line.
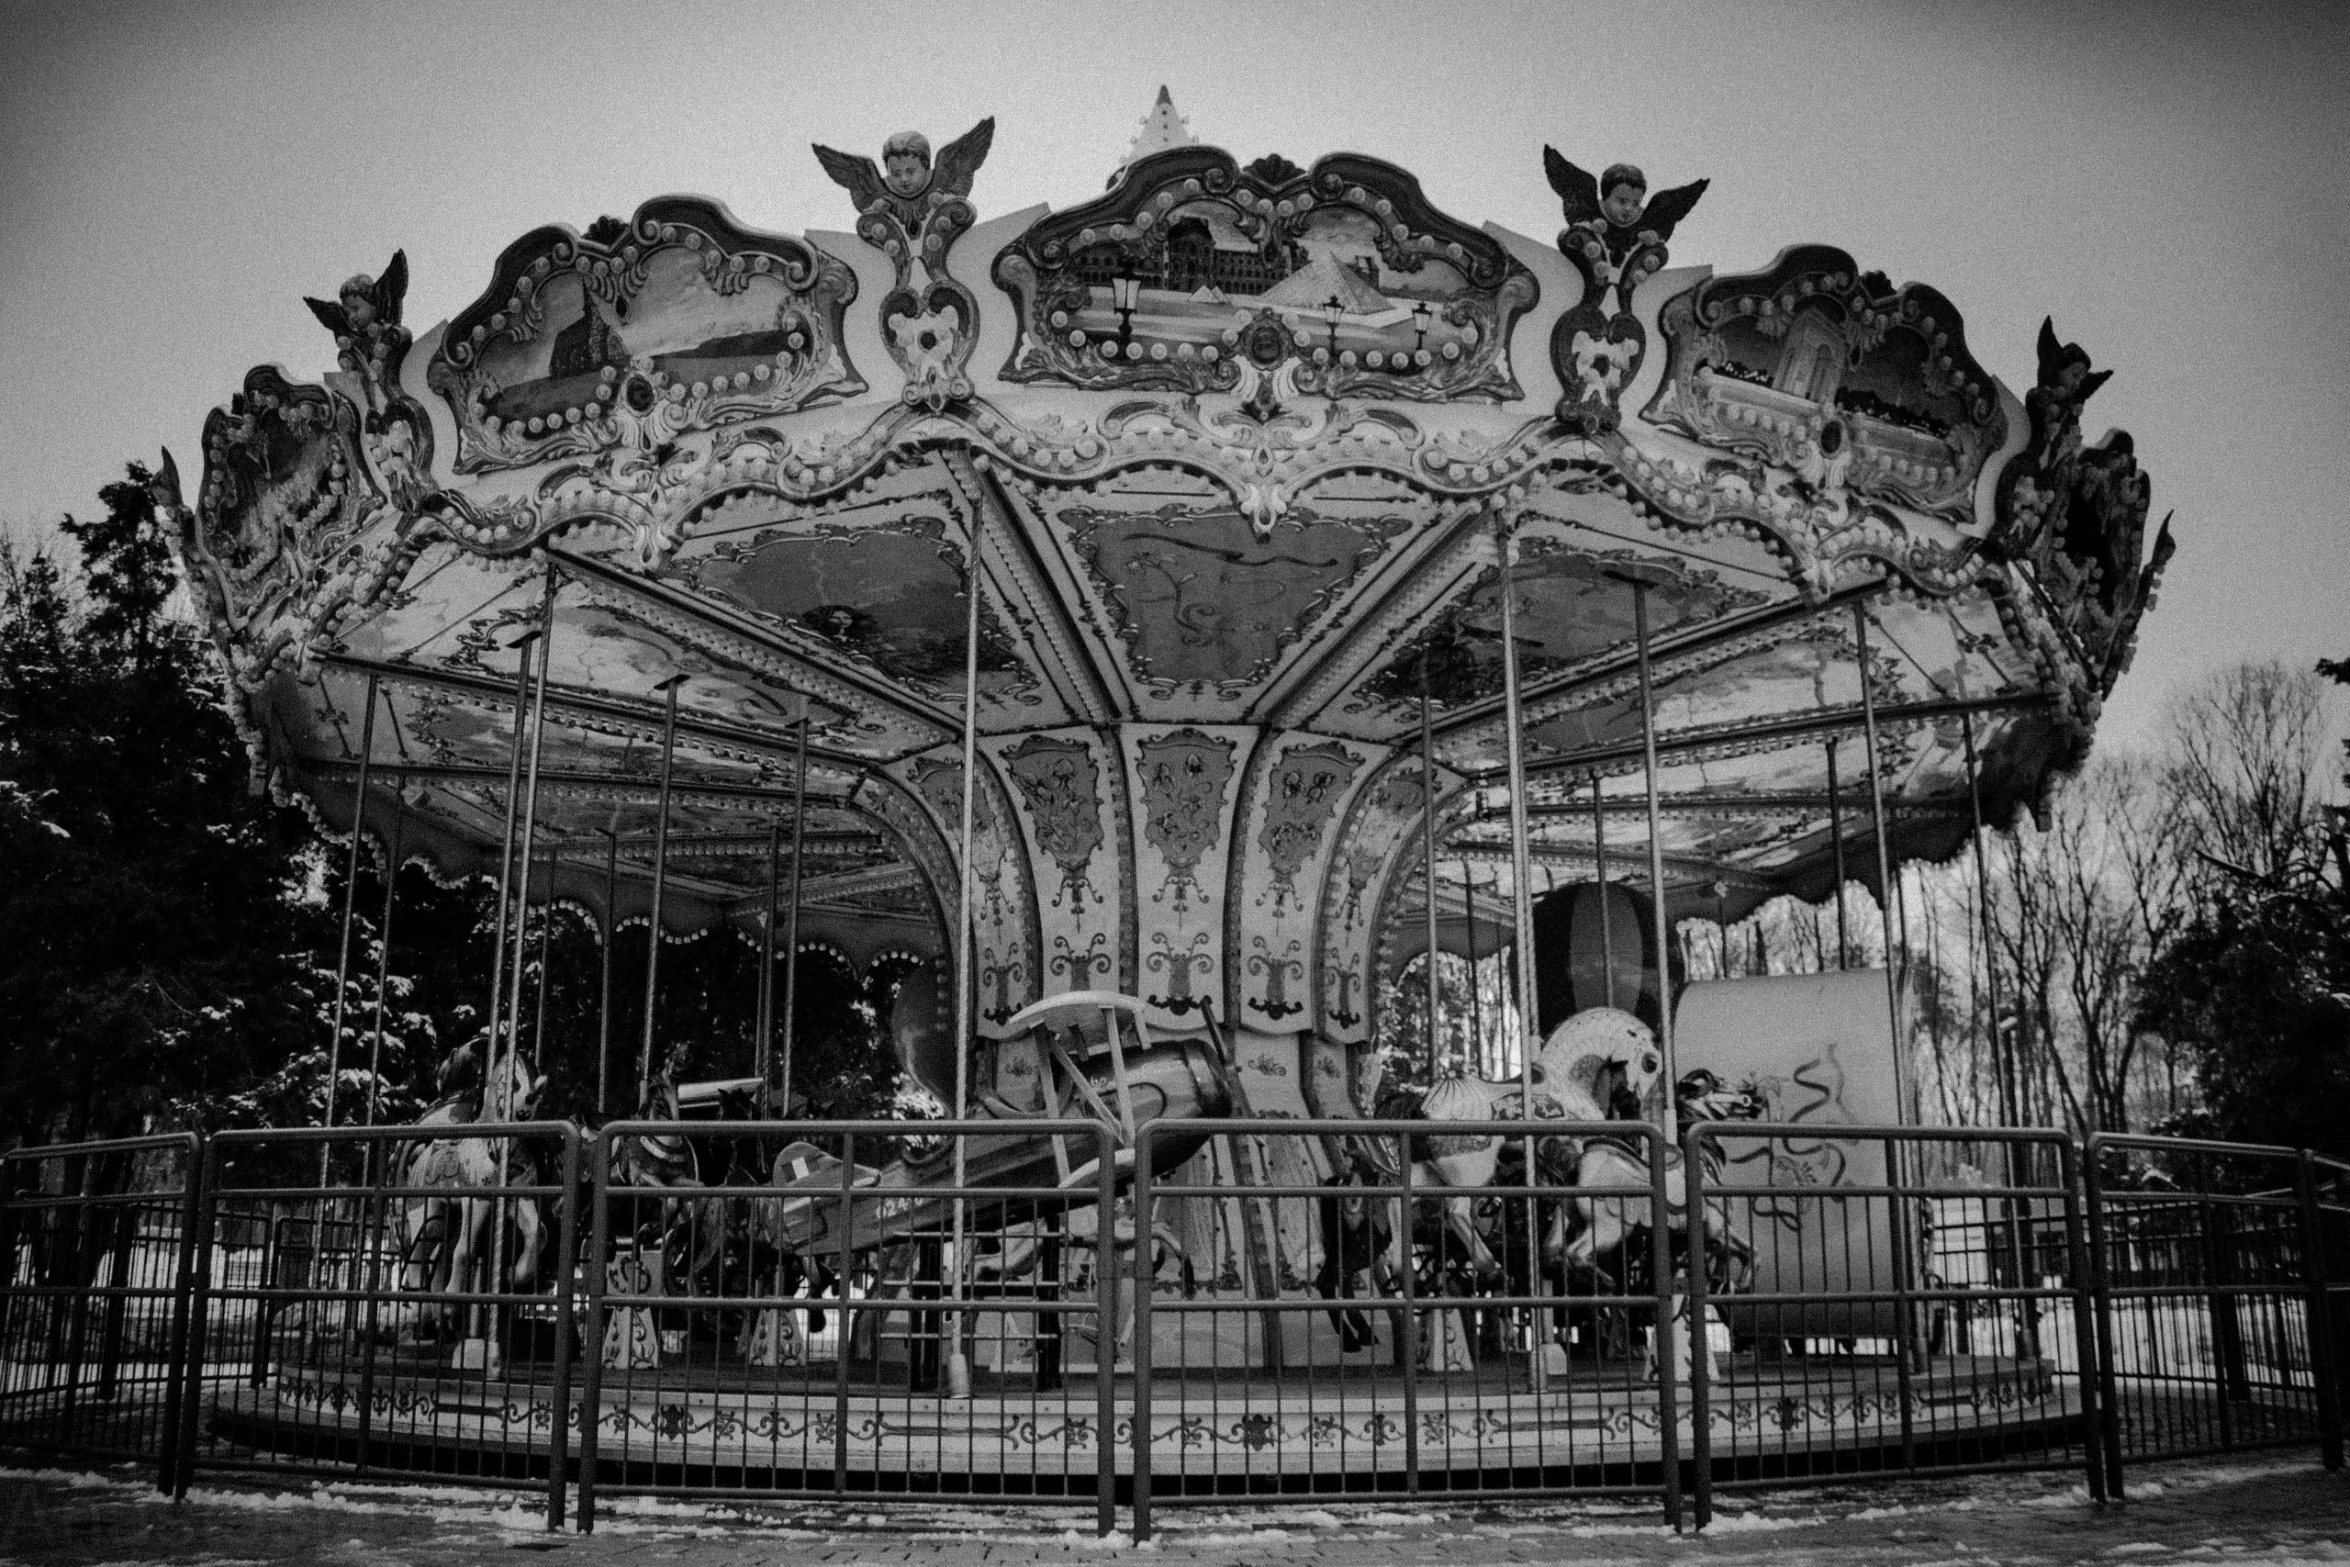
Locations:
{"points": [[1236, 448]]}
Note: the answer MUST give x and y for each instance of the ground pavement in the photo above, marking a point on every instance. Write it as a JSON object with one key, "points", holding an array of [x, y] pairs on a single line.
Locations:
{"points": [[2278, 1509]]}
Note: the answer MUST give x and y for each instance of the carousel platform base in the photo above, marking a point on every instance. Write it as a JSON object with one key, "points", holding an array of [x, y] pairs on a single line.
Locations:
{"points": [[1328, 1430]]}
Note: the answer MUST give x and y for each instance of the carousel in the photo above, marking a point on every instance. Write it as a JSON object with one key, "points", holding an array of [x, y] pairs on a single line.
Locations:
{"points": [[1167, 627]]}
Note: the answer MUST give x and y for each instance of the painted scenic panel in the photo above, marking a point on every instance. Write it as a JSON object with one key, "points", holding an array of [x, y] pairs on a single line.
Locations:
{"points": [[675, 321], [1835, 375], [1195, 274]]}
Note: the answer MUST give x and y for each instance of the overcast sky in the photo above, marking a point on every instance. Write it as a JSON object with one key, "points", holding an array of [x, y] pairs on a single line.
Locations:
{"points": [[2169, 182]]}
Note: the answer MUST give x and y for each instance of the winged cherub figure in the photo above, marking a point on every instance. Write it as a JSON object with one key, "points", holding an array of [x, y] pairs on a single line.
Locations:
{"points": [[1612, 220], [2064, 370], [909, 188], [365, 318]]}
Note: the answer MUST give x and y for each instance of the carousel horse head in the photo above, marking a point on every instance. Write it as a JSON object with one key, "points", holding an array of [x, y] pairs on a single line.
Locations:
{"points": [[460, 1073], [1702, 1096], [508, 1091], [513, 1091], [1604, 1056]]}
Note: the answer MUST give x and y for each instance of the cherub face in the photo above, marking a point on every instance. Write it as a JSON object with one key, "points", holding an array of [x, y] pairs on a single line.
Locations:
{"points": [[1623, 203], [905, 173], [358, 309]]}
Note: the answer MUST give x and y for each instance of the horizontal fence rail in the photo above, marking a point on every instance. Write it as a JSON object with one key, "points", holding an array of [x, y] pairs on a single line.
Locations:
{"points": [[1088, 1311]]}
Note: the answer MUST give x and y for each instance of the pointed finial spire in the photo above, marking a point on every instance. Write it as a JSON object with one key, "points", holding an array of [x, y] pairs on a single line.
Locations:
{"points": [[1162, 128]]}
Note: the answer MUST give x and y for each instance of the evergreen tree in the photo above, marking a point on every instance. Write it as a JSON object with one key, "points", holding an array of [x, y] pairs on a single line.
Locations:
{"points": [[154, 934]]}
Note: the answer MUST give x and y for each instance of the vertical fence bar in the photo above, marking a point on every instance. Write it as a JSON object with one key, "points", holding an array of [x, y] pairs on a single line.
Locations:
{"points": [[1105, 1405], [372, 1222], [1409, 1285], [566, 1266], [176, 1374], [2321, 1346], [2101, 1298], [1144, 1138], [1661, 1264], [850, 1321], [1905, 1315], [199, 1310], [591, 1400], [1701, 1369], [2081, 1248]]}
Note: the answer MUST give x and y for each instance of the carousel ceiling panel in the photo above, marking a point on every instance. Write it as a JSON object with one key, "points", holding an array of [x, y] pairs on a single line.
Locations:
{"points": [[1203, 604], [1574, 618], [447, 597], [887, 596]]}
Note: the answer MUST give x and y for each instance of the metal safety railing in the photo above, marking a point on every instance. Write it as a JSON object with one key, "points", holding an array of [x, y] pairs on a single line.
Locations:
{"points": [[1893, 1318], [393, 1299], [97, 1251], [1426, 1319], [889, 1307], [2212, 1301], [1060, 1311]]}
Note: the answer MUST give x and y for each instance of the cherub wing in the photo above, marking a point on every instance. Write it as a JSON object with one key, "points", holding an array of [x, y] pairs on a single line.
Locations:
{"points": [[1578, 188], [330, 315], [2051, 352], [853, 173], [959, 161], [164, 485], [1668, 207], [391, 289]]}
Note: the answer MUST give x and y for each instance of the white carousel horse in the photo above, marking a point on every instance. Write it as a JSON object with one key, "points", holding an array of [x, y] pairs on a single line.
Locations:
{"points": [[1595, 1061], [1582, 1230], [448, 1232]]}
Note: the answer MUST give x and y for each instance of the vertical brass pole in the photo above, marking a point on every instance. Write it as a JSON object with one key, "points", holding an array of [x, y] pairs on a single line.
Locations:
{"points": [[1656, 861], [1521, 857], [530, 816], [383, 956], [1836, 837], [1910, 1263], [521, 646], [1607, 919], [1522, 916], [791, 926], [1903, 1086], [644, 1064], [958, 1367], [1428, 852], [604, 989], [538, 1026], [763, 1028], [2005, 1080], [1722, 922], [334, 1046], [1473, 1058], [2027, 1310]]}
